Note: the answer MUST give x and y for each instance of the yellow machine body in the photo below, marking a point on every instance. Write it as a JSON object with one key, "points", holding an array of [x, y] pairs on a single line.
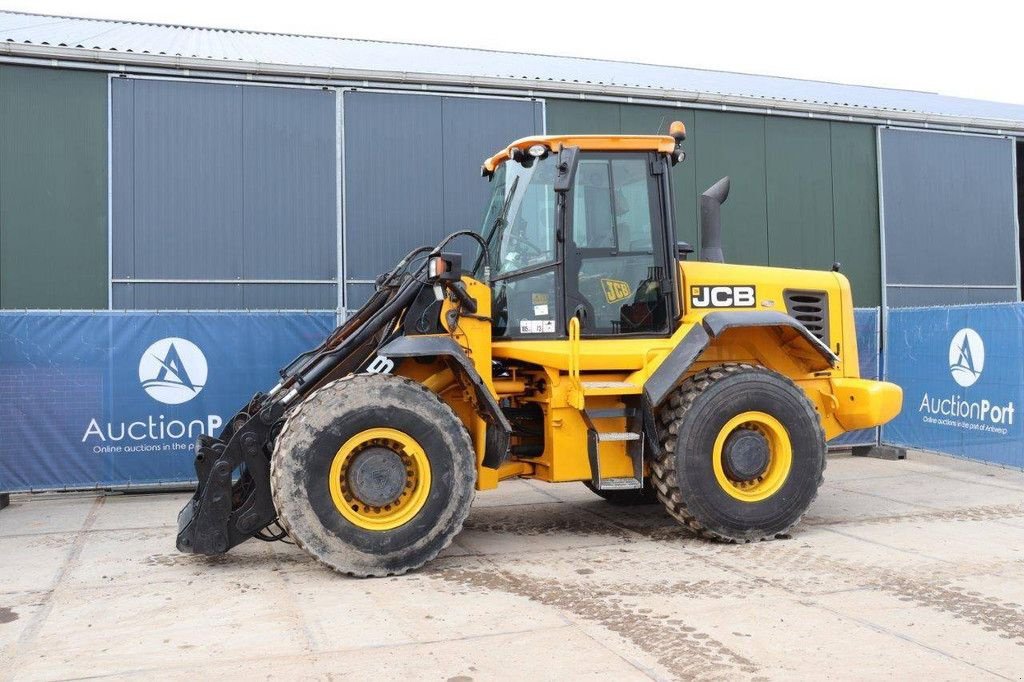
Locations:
{"points": [[564, 375], [599, 371]]}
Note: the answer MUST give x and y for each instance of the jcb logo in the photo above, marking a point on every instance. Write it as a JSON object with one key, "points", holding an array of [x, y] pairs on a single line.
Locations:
{"points": [[381, 365], [615, 290], [723, 296]]}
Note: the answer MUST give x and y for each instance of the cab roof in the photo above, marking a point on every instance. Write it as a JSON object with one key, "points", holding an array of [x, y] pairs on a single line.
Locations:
{"points": [[618, 143]]}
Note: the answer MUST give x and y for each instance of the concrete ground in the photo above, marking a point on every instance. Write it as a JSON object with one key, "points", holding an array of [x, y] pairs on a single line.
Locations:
{"points": [[900, 569]]}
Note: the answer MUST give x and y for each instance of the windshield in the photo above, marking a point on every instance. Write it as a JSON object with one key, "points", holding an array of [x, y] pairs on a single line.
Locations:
{"points": [[519, 225]]}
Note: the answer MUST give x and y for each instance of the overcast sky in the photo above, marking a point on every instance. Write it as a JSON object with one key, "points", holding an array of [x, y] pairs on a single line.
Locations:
{"points": [[966, 49]]}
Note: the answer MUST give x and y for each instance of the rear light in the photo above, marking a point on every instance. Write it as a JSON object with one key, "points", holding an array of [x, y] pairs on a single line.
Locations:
{"points": [[437, 267], [444, 266]]}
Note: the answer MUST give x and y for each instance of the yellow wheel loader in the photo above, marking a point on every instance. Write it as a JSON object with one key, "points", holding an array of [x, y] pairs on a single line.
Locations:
{"points": [[580, 343]]}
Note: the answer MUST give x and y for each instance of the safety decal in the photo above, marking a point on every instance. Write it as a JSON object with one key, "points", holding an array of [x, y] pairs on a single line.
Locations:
{"points": [[536, 326]]}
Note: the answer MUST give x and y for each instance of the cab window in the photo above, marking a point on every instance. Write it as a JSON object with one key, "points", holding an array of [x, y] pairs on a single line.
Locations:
{"points": [[520, 232], [614, 276]]}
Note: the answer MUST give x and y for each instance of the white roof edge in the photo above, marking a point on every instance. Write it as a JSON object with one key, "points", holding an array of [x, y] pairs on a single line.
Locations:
{"points": [[125, 62], [374, 62], [398, 43]]}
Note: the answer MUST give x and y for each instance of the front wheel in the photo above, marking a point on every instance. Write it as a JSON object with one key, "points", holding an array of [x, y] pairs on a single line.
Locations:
{"points": [[743, 453], [373, 475]]}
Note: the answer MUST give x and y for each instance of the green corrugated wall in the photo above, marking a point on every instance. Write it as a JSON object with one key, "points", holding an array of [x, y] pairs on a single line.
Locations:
{"points": [[855, 209], [804, 192], [53, 188], [733, 145], [798, 170]]}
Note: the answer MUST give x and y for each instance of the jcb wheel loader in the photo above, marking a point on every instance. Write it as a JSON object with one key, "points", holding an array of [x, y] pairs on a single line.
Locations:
{"points": [[580, 345]]}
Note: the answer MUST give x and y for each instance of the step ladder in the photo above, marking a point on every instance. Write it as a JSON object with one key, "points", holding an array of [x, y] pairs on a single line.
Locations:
{"points": [[629, 394], [610, 388], [632, 437]]}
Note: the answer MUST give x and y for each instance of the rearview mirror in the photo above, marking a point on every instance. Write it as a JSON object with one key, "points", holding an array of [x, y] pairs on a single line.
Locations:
{"points": [[566, 169]]}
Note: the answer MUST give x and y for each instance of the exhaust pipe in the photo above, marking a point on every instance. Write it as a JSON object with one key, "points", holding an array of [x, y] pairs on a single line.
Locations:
{"points": [[711, 221]]}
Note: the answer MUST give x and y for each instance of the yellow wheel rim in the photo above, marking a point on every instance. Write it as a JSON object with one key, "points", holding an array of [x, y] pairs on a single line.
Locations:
{"points": [[412, 496], [780, 457]]}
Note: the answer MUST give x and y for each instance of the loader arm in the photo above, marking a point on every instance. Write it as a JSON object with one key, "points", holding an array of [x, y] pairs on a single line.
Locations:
{"points": [[232, 502]]}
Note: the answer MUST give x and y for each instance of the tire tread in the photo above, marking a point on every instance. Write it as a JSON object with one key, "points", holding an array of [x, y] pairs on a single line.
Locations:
{"points": [[316, 401], [663, 466]]}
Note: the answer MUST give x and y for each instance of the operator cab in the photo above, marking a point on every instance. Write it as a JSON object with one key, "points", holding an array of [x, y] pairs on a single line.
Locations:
{"points": [[577, 227]]}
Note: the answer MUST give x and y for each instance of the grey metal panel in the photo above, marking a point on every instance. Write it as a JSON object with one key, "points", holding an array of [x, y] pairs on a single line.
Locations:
{"points": [[412, 171], [473, 129], [358, 294], [289, 187], [393, 178], [222, 182], [188, 208], [289, 296], [122, 297], [200, 296], [949, 215], [177, 296], [122, 178], [903, 297], [152, 43]]}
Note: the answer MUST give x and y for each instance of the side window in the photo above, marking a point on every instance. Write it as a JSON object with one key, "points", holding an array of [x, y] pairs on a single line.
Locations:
{"points": [[525, 306], [614, 223], [592, 225], [534, 224], [613, 208], [633, 211], [520, 229], [524, 236]]}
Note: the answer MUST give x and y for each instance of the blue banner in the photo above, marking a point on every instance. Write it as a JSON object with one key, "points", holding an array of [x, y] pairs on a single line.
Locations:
{"points": [[116, 399], [868, 330], [962, 373]]}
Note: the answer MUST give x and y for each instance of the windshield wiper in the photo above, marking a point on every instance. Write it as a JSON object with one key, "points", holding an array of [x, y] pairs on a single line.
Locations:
{"points": [[499, 220]]}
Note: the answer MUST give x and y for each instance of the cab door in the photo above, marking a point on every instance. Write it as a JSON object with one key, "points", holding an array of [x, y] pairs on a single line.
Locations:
{"points": [[616, 276], [524, 259]]}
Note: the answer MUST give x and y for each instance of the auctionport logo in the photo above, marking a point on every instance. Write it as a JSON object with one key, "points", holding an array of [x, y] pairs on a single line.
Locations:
{"points": [[173, 370], [966, 363], [966, 357]]}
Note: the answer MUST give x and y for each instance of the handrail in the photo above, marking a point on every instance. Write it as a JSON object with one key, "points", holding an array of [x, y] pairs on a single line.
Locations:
{"points": [[575, 397]]}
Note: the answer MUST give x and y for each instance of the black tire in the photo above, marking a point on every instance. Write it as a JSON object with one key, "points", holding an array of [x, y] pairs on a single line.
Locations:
{"points": [[627, 498], [690, 423], [301, 472]]}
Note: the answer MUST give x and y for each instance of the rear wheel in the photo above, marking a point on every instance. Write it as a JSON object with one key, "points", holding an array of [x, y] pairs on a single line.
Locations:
{"points": [[373, 475], [743, 453]]}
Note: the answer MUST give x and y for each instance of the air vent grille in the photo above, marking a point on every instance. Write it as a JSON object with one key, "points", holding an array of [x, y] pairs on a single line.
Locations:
{"points": [[811, 309]]}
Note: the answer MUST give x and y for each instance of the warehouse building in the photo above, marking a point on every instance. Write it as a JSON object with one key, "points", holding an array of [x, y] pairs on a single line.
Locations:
{"points": [[150, 167]]}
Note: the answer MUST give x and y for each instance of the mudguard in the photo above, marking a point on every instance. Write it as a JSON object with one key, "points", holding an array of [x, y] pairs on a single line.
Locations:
{"points": [[672, 371], [499, 431]]}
